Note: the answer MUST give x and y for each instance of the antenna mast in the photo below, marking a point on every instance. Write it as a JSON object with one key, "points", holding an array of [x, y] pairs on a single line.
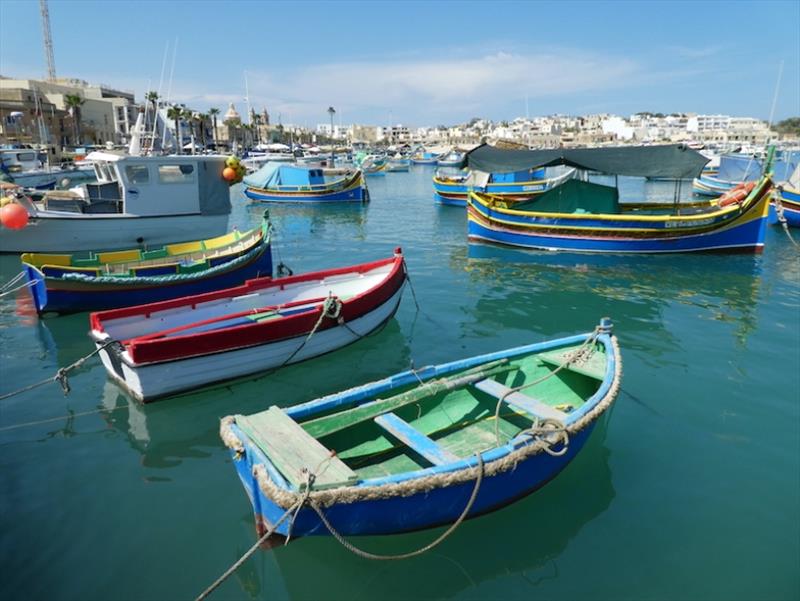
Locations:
{"points": [[48, 40]]}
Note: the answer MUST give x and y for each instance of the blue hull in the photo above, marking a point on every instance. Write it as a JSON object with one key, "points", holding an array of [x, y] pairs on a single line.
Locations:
{"points": [[745, 237], [416, 512], [49, 299], [356, 194], [373, 511], [449, 200], [791, 215]]}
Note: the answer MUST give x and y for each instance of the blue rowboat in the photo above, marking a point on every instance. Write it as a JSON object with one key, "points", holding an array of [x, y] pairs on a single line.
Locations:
{"points": [[452, 159], [278, 182], [398, 165], [582, 216], [711, 186], [425, 158], [523, 185], [107, 280], [737, 169], [426, 447]]}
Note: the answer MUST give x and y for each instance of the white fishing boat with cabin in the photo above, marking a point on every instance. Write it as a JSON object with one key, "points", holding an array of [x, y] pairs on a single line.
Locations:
{"points": [[139, 201]]}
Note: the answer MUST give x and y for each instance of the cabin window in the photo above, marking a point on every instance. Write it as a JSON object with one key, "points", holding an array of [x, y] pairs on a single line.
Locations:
{"points": [[175, 174], [137, 174], [26, 156]]}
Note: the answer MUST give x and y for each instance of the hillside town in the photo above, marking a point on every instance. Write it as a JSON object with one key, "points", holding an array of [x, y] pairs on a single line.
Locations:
{"points": [[65, 114]]}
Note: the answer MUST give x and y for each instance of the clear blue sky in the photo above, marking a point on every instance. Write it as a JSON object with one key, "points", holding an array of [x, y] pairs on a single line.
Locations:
{"points": [[423, 63]]}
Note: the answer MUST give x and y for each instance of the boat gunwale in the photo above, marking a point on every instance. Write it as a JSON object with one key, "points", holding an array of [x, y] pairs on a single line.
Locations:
{"points": [[158, 349], [477, 200]]}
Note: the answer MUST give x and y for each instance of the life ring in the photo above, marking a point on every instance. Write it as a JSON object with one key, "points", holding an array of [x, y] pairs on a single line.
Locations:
{"points": [[736, 195]]}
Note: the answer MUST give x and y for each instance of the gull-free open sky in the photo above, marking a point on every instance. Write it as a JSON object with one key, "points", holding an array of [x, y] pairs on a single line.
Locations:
{"points": [[424, 63]]}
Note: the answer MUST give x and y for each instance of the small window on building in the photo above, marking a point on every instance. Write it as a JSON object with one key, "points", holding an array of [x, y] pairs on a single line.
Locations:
{"points": [[175, 174], [137, 174]]}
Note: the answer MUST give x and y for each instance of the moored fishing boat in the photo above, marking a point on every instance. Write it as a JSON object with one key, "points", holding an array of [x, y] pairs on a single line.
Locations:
{"points": [[425, 158], [23, 167], [738, 168], [452, 190], [398, 163], [278, 182], [588, 217], [105, 280], [787, 205], [141, 201], [426, 447], [164, 348], [451, 159]]}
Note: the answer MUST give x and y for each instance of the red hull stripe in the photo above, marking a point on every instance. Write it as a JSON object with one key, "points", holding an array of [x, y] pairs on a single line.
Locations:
{"points": [[97, 318], [144, 350]]}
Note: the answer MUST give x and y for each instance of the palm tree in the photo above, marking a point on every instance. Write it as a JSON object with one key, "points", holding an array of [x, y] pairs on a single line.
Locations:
{"points": [[214, 111], [152, 98], [202, 118], [175, 113], [74, 102], [188, 116]]}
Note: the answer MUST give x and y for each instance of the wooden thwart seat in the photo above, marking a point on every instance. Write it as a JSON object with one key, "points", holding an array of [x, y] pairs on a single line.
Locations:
{"points": [[415, 439], [291, 449], [594, 366], [518, 400]]}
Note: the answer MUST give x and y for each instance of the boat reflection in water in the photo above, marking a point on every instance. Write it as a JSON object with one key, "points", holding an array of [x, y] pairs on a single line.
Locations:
{"points": [[638, 292], [187, 426]]}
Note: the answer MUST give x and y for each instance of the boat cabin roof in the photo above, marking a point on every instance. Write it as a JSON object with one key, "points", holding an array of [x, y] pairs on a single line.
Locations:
{"points": [[676, 161]]}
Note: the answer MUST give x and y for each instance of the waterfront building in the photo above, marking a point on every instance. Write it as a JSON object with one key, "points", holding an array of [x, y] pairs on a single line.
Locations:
{"points": [[106, 113]]}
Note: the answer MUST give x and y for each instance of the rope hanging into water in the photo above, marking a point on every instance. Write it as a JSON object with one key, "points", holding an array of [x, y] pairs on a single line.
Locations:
{"points": [[247, 554], [367, 555], [782, 218], [304, 501], [60, 376], [11, 286]]}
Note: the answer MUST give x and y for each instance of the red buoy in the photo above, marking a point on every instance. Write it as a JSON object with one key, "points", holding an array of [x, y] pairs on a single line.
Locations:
{"points": [[14, 216]]}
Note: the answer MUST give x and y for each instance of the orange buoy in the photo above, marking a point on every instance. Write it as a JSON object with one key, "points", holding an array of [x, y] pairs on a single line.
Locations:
{"points": [[13, 216], [229, 174]]}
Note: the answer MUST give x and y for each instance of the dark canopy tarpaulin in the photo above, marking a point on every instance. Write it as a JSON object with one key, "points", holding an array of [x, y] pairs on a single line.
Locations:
{"points": [[669, 161]]}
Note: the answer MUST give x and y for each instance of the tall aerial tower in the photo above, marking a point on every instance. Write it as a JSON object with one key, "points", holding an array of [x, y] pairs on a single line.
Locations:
{"points": [[48, 40]]}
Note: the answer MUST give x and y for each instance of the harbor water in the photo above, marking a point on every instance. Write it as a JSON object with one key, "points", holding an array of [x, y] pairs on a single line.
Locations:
{"points": [[689, 490]]}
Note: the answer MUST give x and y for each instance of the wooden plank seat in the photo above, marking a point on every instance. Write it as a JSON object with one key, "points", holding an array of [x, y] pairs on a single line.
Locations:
{"points": [[519, 401], [414, 439], [291, 449], [594, 366]]}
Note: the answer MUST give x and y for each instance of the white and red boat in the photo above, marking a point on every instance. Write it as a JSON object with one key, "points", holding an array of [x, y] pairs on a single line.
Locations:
{"points": [[164, 348]]}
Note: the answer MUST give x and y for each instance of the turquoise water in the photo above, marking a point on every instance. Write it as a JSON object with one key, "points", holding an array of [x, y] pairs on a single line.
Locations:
{"points": [[691, 490]]}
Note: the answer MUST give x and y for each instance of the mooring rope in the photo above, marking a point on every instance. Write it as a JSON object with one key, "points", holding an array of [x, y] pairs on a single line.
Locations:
{"points": [[536, 429], [61, 375], [247, 554], [305, 500], [61, 417], [367, 555], [332, 307], [7, 289], [782, 218]]}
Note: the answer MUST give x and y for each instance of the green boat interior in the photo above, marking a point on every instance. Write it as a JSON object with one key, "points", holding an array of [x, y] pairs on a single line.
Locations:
{"points": [[429, 424]]}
